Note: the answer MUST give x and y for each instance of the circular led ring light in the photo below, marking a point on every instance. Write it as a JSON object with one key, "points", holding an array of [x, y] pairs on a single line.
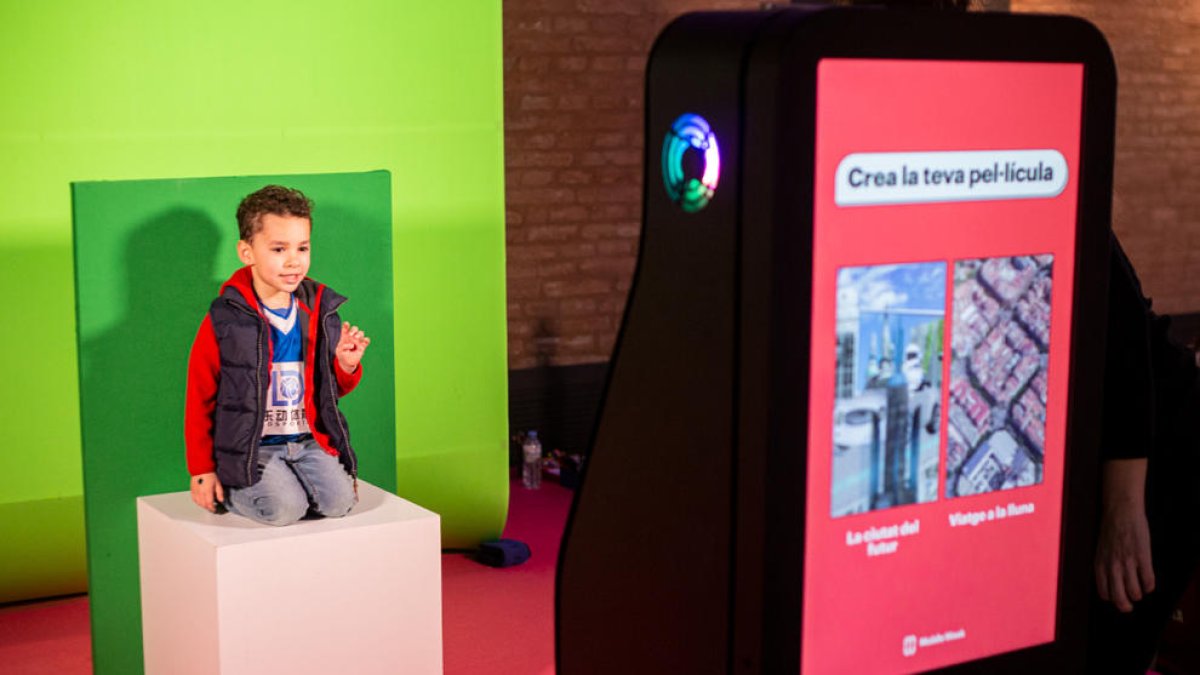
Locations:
{"points": [[691, 193]]}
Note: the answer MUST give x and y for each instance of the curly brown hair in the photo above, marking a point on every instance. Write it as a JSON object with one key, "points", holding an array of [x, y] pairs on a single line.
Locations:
{"points": [[275, 199]]}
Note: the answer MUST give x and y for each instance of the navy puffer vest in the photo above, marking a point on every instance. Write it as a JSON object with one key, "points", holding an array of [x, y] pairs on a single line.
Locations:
{"points": [[243, 339]]}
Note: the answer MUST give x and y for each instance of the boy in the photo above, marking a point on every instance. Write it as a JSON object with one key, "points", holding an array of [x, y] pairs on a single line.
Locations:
{"points": [[271, 359]]}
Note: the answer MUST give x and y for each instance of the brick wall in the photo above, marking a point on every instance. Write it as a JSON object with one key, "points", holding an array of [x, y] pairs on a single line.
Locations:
{"points": [[573, 86], [1157, 181]]}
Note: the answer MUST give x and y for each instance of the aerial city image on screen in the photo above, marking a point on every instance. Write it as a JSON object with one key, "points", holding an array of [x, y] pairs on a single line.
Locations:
{"points": [[887, 399], [1000, 339]]}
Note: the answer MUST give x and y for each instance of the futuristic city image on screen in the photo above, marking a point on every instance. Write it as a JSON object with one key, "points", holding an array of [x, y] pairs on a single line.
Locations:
{"points": [[886, 428]]}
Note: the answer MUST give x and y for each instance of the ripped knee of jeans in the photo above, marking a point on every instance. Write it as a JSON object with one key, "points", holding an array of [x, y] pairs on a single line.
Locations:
{"points": [[336, 505], [273, 511]]}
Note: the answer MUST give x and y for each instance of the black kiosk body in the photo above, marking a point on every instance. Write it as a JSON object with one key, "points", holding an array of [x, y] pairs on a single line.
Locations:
{"points": [[846, 427]]}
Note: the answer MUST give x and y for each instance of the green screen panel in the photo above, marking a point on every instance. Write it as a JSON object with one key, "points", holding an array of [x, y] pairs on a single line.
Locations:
{"points": [[150, 257], [136, 89]]}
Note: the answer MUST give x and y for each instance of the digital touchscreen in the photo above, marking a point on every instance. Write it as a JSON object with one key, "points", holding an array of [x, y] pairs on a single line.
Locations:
{"points": [[944, 228]]}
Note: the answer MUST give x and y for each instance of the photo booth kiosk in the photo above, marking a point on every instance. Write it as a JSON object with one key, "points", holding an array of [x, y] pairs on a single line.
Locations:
{"points": [[849, 423]]}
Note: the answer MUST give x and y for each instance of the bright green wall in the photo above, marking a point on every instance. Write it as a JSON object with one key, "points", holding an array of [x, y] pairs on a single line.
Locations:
{"points": [[133, 89]]}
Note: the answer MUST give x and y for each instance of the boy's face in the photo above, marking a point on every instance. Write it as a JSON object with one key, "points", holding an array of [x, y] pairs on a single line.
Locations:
{"points": [[278, 257]]}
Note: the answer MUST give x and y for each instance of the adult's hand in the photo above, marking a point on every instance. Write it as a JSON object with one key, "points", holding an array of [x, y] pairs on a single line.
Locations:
{"points": [[1123, 565]]}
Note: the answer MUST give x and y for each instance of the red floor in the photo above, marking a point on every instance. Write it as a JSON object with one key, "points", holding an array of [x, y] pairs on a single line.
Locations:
{"points": [[494, 620]]}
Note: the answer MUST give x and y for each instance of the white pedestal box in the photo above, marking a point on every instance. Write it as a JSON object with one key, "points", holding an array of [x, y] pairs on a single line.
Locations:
{"points": [[223, 594]]}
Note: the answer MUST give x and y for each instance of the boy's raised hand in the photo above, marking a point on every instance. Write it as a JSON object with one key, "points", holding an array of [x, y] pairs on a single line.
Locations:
{"points": [[350, 347], [204, 488]]}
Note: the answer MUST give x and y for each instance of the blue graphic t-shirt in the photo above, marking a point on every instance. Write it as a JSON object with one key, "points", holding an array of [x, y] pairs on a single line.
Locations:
{"points": [[285, 420]]}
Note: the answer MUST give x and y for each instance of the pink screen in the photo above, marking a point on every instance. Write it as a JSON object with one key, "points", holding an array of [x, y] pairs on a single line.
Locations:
{"points": [[944, 242]]}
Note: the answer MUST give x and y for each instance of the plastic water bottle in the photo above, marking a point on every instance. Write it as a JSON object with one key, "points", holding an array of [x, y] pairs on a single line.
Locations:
{"points": [[531, 476]]}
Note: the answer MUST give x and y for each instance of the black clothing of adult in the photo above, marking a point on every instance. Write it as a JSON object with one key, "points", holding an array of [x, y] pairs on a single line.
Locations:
{"points": [[1151, 397]]}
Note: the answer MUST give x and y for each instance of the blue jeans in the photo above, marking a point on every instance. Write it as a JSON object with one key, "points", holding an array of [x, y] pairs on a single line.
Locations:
{"points": [[296, 478]]}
